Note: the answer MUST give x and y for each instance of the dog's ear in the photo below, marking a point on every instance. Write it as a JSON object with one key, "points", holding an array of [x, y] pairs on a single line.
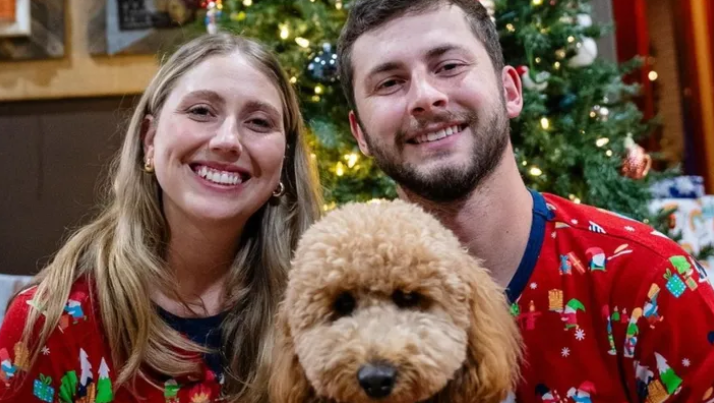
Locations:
{"points": [[288, 383], [495, 348]]}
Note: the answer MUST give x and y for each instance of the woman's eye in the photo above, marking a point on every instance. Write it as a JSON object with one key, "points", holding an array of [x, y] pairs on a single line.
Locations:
{"points": [[261, 124], [200, 111]]}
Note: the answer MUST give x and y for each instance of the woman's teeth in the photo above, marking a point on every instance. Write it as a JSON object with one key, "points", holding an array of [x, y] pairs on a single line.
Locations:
{"points": [[220, 177]]}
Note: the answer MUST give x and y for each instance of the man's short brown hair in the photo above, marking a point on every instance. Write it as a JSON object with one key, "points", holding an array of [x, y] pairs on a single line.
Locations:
{"points": [[366, 15]]}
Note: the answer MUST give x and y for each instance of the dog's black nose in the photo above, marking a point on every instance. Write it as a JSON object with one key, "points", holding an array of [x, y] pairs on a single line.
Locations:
{"points": [[377, 380]]}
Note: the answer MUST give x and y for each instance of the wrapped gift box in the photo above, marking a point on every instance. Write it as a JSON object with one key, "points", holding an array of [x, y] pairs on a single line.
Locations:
{"points": [[681, 187], [694, 218]]}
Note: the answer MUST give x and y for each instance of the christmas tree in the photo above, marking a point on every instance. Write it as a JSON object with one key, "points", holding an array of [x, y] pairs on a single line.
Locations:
{"points": [[104, 384], [576, 136], [670, 380]]}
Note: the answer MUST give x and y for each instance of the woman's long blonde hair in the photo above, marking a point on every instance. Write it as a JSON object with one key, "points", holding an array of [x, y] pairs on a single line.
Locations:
{"points": [[123, 250]]}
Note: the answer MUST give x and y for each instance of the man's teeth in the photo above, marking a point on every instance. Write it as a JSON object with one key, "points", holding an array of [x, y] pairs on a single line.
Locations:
{"points": [[437, 135], [220, 177]]}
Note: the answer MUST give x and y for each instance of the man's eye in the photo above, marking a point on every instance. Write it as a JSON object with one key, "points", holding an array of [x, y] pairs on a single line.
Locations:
{"points": [[450, 67], [388, 86]]}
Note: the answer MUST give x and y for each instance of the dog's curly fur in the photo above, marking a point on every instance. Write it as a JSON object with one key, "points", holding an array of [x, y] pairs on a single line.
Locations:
{"points": [[457, 344]]}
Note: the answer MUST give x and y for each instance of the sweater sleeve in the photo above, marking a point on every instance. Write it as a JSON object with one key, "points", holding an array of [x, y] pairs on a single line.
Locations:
{"points": [[57, 374], [670, 335]]}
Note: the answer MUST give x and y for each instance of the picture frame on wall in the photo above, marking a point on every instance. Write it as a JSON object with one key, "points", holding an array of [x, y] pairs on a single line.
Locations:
{"points": [[36, 32], [14, 18], [139, 26]]}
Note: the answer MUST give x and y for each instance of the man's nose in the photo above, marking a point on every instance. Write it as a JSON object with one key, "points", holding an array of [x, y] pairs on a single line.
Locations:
{"points": [[426, 98]]}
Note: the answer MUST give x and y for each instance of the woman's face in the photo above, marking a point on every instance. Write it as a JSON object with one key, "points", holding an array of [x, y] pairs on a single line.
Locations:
{"points": [[218, 144]]}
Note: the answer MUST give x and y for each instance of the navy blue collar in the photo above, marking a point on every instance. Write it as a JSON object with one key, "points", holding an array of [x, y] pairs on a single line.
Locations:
{"points": [[204, 331], [535, 241]]}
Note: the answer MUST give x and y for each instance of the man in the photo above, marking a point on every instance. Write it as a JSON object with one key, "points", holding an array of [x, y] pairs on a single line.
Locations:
{"points": [[610, 310]]}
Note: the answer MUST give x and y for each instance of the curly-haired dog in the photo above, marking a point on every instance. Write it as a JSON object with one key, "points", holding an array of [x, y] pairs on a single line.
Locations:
{"points": [[384, 304]]}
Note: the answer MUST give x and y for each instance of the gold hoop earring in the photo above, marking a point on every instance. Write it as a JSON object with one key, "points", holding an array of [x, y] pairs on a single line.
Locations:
{"points": [[148, 166], [280, 190]]}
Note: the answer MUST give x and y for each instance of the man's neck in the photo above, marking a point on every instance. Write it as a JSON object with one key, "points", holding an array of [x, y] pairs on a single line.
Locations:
{"points": [[493, 222]]}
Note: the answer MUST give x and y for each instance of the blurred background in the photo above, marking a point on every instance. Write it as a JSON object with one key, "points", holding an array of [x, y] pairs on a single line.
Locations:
{"points": [[619, 94]]}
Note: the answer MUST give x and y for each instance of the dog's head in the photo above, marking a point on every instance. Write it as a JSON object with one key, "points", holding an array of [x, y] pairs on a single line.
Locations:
{"points": [[384, 304]]}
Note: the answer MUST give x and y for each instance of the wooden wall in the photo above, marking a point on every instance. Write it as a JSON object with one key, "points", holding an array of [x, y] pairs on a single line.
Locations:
{"points": [[77, 74]]}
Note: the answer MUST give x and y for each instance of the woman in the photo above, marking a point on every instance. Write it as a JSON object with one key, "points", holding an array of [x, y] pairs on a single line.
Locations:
{"points": [[169, 294]]}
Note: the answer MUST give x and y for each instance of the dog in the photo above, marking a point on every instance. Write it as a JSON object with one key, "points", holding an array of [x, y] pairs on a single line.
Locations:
{"points": [[383, 304]]}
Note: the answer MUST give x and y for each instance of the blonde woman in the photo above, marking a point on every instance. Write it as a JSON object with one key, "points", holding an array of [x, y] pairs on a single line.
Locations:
{"points": [[169, 294]]}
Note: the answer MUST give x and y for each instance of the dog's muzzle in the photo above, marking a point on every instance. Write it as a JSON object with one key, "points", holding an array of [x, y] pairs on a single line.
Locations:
{"points": [[377, 380]]}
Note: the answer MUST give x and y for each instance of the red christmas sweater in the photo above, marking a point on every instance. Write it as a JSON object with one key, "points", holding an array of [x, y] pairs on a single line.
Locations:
{"points": [[610, 311], [75, 364]]}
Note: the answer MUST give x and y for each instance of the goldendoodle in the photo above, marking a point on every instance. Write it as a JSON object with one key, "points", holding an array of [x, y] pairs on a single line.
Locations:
{"points": [[384, 304]]}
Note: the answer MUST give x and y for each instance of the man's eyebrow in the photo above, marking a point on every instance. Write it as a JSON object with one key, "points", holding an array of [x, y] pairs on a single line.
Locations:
{"points": [[431, 54], [383, 67], [441, 50]]}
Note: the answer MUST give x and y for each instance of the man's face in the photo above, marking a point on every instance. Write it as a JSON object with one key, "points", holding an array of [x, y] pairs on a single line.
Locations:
{"points": [[432, 110]]}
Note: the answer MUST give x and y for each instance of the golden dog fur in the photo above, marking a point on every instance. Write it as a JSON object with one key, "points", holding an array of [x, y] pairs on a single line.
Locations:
{"points": [[457, 344]]}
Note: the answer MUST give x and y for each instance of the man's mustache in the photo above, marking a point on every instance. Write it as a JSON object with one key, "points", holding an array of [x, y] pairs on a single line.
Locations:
{"points": [[421, 123]]}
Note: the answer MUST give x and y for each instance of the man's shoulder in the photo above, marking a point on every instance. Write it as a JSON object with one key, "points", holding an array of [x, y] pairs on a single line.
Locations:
{"points": [[592, 225]]}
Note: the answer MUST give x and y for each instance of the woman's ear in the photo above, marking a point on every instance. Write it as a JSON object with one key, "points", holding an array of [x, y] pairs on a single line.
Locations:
{"points": [[148, 132], [288, 383]]}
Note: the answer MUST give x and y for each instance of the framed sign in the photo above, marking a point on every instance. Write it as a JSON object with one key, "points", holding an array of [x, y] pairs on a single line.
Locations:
{"points": [[139, 26], [35, 32]]}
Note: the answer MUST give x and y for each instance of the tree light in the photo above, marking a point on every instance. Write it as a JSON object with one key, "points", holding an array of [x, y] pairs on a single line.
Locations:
{"points": [[545, 123], [284, 33], [302, 42], [535, 171], [351, 159], [601, 142]]}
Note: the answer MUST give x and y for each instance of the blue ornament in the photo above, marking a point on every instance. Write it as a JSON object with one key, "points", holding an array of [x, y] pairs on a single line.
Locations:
{"points": [[324, 66]]}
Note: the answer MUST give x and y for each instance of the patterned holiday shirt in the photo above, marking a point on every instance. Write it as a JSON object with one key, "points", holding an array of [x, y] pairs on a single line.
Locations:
{"points": [[610, 311], [75, 364]]}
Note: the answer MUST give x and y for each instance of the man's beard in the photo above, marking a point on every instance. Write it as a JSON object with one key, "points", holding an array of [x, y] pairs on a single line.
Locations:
{"points": [[450, 183]]}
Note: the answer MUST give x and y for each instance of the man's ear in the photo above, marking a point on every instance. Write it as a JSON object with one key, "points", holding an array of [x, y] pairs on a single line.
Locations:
{"points": [[358, 134], [148, 132], [512, 91]]}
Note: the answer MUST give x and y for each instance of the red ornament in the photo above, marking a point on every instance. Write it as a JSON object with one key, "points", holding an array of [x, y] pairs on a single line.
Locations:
{"points": [[637, 162]]}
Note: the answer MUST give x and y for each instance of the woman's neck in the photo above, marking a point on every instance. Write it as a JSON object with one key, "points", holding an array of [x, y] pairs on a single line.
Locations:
{"points": [[200, 258]]}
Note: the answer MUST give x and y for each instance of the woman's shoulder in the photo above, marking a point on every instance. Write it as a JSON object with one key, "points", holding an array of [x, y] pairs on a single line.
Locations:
{"points": [[77, 309], [72, 354]]}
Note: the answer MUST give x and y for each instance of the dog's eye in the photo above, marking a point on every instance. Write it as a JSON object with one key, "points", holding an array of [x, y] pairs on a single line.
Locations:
{"points": [[344, 304], [406, 299]]}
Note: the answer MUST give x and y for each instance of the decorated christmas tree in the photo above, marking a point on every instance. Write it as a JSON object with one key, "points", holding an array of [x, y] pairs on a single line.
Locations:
{"points": [[577, 136]]}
